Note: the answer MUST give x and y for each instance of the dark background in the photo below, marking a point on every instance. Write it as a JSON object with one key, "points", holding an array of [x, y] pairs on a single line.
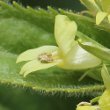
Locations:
{"points": [[65, 4]]}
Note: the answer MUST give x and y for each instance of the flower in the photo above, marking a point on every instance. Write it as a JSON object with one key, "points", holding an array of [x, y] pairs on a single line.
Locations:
{"points": [[100, 8], [68, 54], [105, 12], [103, 100]]}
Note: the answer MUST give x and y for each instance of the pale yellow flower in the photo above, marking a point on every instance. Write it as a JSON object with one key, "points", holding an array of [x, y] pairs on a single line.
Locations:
{"points": [[68, 54], [100, 8]]}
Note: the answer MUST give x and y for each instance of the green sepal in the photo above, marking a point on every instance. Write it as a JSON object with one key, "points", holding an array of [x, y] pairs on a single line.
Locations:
{"points": [[94, 100], [85, 38], [91, 5]]}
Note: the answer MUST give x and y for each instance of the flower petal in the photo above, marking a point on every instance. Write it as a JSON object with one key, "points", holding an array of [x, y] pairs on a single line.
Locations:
{"points": [[65, 31], [34, 53], [100, 17], [35, 65], [78, 59], [101, 52]]}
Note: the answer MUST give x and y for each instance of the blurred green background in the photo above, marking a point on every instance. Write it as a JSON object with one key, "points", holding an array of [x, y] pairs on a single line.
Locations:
{"points": [[14, 98]]}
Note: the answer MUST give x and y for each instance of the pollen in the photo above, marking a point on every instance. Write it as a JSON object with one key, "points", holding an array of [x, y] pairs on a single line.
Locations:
{"points": [[45, 58]]}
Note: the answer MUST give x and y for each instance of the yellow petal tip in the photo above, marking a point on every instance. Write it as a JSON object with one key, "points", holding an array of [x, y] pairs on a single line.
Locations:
{"points": [[100, 17]]}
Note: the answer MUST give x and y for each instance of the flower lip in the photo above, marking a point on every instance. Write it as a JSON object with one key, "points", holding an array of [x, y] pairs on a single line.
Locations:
{"points": [[33, 54]]}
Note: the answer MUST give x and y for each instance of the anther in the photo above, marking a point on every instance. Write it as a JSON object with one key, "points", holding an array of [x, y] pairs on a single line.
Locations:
{"points": [[45, 58]]}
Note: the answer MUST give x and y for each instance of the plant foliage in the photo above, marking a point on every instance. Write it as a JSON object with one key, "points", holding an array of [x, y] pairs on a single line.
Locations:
{"points": [[24, 28]]}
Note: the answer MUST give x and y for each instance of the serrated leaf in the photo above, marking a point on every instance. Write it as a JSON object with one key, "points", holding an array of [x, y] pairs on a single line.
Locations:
{"points": [[51, 81], [26, 99], [30, 28], [37, 21]]}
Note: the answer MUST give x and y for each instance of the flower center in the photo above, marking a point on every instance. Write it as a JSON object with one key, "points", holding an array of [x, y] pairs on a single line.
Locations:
{"points": [[45, 58]]}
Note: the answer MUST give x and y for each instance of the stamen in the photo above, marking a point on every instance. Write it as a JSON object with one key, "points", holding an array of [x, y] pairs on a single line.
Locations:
{"points": [[45, 58]]}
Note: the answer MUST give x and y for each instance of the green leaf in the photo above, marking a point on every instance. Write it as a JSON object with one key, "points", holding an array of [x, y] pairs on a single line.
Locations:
{"points": [[30, 25], [26, 99], [84, 38], [24, 28], [91, 5], [50, 81]]}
